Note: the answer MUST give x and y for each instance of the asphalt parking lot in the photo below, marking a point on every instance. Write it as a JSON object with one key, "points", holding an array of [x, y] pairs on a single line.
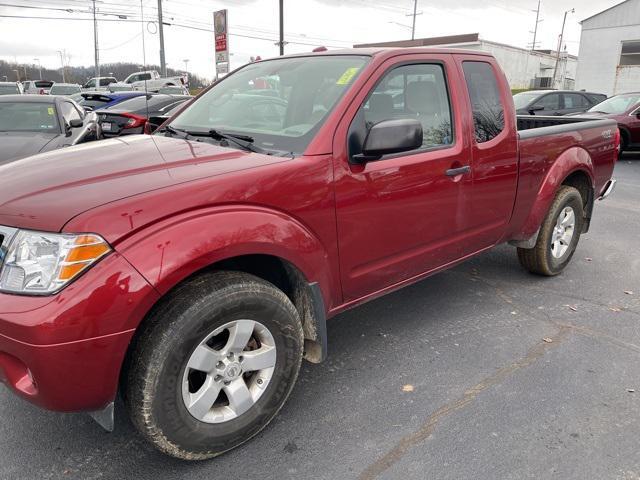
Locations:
{"points": [[482, 372]]}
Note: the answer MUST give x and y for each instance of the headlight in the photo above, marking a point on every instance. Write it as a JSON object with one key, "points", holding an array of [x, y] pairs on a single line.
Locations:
{"points": [[42, 263]]}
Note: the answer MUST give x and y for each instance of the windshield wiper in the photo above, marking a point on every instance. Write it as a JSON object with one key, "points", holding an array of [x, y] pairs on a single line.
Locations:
{"points": [[243, 141], [174, 131]]}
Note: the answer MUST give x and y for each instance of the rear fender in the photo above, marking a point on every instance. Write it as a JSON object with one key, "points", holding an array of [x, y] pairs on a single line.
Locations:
{"points": [[570, 161], [173, 249]]}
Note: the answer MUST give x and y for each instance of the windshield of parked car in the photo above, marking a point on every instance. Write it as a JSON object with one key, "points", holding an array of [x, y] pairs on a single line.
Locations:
{"points": [[617, 105], [523, 99], [280, 103], [64, 89], [9, 89], [28, 117]]}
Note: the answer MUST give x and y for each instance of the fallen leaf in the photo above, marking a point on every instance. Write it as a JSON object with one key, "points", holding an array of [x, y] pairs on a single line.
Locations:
{"points": [[407, 388], [631, 390], [628, 292], [573, 308], [615, 309], [548, 340], [514, 313], [588, 259]]}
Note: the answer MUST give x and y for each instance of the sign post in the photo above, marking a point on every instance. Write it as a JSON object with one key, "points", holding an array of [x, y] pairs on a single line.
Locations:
{"points": [[221, 32]]}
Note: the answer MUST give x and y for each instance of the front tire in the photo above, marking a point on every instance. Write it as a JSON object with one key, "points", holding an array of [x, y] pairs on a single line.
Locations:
{"points": [[558, 236], [213, 364]]}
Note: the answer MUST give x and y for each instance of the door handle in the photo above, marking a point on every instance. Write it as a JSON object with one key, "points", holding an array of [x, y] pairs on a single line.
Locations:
{"points": [[452, 172]]}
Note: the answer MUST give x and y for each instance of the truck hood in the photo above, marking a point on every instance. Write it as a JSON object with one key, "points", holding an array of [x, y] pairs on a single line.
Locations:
{"points": [[16, 145], [45, 191]]}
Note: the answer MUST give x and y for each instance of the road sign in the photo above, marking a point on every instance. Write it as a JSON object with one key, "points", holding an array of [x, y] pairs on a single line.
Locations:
{"points": [[220, 30]]}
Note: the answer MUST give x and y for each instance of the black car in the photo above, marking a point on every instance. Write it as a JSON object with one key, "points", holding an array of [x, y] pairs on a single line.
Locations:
{"points": [[31, 124], [129, 117], [555, 102]]}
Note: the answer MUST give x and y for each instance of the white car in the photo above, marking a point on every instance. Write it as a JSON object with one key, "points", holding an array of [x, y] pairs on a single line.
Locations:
{"points": [[151, 81], [37, 87], [99, 83]]}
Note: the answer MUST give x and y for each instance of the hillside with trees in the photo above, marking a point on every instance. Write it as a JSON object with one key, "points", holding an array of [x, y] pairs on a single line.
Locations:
{"points": [[12, 71]]}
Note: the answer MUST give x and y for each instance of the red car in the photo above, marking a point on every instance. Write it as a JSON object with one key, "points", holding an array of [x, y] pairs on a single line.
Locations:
{"points": [[624, 109], [192, 270]]}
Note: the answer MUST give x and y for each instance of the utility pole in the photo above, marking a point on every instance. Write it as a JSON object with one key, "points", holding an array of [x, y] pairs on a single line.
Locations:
{"points": [[61, 52], [186, 65], [163, 63], [95, 42], [413, 24], [535, 30], [281, 42], [555, 70]]}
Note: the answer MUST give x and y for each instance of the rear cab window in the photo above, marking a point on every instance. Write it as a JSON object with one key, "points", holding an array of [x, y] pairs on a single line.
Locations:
{"points": [[486, 104]]}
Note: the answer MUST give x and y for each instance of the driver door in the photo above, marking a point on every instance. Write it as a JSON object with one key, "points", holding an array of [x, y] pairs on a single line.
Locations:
{"points": [[403, 215]]}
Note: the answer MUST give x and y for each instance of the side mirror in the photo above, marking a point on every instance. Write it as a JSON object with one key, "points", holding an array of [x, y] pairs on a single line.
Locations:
{"points": [[535, 108], [76, 123], [390, 136]]}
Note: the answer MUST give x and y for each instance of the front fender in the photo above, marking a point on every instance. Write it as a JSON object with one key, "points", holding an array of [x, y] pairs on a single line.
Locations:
{"points": [[572, 160], [171, 250]]}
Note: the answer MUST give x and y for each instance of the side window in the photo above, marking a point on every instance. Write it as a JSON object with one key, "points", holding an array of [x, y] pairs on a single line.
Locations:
{"points": [[132, 78], [413, 91], [575, 100], [69, 112], [144, 76], [486, 105], [91, 83], [104, 82], [550, 102]]}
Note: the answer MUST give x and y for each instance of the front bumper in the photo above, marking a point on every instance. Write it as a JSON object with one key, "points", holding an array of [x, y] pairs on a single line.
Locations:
{"points": [[64, 352]]}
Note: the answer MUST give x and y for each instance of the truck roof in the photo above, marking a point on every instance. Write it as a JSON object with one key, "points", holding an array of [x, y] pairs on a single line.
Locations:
{"points": [[390, 51]]}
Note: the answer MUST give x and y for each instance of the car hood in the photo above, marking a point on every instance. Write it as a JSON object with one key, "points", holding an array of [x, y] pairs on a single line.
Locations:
{"points": [[17, 145], [45, 191]]}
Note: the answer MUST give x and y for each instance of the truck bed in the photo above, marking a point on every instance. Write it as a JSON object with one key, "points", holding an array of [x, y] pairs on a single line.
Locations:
{"points": [[545, 141]]}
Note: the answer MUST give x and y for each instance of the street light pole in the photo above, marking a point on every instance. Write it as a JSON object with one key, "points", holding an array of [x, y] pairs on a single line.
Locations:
{"points": [[96, 54], [413, 25], [61, 52], [163, 63], [186, 65], [555, 70], [39, 67]]}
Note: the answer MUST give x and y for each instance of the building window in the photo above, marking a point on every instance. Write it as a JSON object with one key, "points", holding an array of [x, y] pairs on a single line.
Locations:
{"points": [[630, 54]]}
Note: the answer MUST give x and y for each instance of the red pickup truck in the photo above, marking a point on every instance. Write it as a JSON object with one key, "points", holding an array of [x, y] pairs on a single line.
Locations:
{"points": [[190, 271]]}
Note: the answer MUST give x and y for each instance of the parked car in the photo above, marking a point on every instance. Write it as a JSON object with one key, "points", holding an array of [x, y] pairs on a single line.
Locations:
{"points": [[624, 109], [196, 267], [37, 87], [99, 83], [97, 100], [65, 89], [555, 102], [34, 124], [155, 121], [151, 81], [130, 117], [11, 88]]}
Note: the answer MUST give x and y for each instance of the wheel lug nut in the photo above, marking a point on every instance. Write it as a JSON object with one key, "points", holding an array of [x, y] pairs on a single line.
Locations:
{"points": [[227, 382], [217, 378], [240, 358], [259, 381], [220, 365], [230, 356]]}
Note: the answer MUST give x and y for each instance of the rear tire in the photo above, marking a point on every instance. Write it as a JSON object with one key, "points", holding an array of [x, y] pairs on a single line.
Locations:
{"points": [[558, 236], [193, 387]]}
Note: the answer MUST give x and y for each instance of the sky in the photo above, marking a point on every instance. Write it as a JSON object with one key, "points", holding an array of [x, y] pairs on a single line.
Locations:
{"points": [[308, 23]]}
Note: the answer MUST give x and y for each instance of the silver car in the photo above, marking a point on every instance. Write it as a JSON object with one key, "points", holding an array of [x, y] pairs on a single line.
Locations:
{"points": [[65, 89], [37, 87], [11, 88]]}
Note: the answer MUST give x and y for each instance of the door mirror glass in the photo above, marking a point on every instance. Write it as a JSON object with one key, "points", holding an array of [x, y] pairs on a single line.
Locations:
{"points": [[391, 136], [536, 108], [75, 123]]}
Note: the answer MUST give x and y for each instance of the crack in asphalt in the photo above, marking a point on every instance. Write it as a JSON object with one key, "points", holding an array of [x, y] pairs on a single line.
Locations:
{"points": [[424, 432]]}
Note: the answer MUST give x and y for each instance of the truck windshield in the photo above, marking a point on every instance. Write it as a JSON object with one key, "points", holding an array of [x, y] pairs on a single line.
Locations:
{"points": [[28, 117], [617, 105], [280, 103]]}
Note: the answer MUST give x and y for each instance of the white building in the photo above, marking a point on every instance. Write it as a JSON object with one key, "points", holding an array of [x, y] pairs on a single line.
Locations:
{"points": [[609, 58], [523, 68]]}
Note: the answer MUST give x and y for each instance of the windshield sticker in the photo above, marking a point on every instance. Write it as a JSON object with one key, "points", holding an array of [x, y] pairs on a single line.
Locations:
{"points": [[347, 76], [50, 110]]}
